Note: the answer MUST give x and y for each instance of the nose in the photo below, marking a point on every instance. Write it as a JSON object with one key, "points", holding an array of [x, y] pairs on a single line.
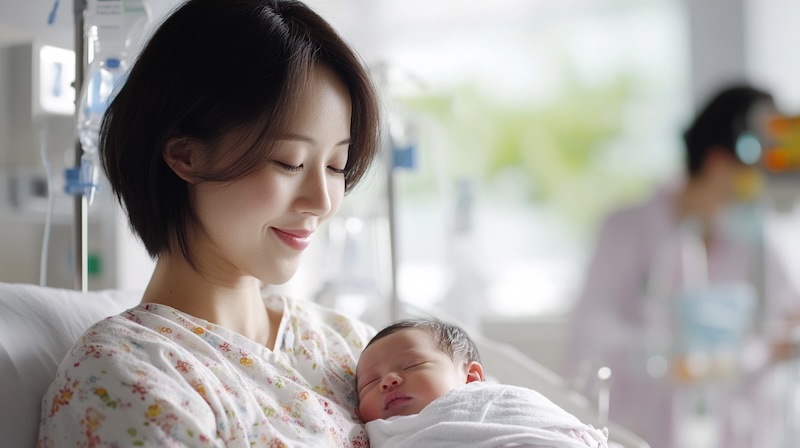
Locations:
{"points": [[315, 194], [390, 381]]}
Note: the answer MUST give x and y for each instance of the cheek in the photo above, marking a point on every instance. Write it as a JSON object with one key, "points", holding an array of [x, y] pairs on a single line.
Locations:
{"points": [[237, 203], [367, 408], [438, 385], [252, 200]]}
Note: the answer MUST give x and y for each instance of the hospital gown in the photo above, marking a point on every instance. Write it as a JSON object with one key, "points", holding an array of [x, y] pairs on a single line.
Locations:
{"points": [[154, 376], [611, 323]]}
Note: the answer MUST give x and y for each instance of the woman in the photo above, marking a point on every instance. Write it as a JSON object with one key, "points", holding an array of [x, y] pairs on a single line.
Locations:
{"points": [[239, 130]]}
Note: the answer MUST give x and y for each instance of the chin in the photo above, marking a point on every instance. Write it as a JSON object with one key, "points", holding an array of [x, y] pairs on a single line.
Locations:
{"points": [[279, 275]]}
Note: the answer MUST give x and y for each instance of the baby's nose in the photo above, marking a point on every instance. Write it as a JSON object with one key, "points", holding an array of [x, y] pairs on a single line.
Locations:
{"points": [[390, 382]]}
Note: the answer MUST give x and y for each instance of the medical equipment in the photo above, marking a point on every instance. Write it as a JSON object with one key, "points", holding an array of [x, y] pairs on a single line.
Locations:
{"points": [[111, 29], [106, 34], [783, 154], [105, 74], [772, 151]]}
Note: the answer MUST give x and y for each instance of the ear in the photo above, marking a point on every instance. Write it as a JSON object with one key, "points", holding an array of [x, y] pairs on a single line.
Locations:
{"points": [[182, 155], [474, 372]]}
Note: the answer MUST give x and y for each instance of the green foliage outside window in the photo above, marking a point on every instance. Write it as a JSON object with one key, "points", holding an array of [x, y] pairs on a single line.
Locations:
{"points": [[558, 147]]}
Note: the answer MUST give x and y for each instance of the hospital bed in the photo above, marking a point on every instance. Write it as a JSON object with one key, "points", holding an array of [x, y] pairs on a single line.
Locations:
{"points": [[39, 324]]}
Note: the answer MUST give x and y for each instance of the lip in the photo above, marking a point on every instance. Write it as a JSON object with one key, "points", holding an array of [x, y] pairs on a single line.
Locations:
{"points": [[297, 239], [394, 399]]}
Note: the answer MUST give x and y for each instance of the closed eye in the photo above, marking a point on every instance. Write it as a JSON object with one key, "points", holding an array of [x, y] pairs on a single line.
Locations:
{"points": [[364, 385], [418, 364], [336, 170], [289, 168]]}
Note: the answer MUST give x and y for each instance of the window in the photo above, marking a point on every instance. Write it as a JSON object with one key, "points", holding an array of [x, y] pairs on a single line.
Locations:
{"points": [[532, 120]]}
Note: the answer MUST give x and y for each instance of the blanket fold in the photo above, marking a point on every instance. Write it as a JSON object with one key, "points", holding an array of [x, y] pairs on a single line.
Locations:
{"points": [[487, 415]]}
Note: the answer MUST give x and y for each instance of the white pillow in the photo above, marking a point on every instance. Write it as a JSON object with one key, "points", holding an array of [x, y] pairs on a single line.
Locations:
{"points": [[37, 327]]}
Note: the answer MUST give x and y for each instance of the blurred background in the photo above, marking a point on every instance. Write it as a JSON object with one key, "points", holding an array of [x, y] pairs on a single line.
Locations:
{"points": [[515, 125]]}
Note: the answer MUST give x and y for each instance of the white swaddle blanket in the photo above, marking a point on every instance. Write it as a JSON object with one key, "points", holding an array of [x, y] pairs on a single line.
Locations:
{"points": [[483, 414]]}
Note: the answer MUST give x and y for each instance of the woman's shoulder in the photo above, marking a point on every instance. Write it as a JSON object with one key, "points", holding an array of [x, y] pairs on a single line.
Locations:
{"points": [[130, 334], [144, 319]]}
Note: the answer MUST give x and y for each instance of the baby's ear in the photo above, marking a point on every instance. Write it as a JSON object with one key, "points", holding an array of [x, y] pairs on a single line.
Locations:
{"points": [[474, 372]]}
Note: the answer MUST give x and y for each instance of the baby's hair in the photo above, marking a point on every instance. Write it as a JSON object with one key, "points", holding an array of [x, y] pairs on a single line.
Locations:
{"points": [[448, 337]]}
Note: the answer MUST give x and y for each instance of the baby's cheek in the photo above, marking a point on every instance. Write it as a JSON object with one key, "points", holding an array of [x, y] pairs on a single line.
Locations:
{"points": [[365, 412]]}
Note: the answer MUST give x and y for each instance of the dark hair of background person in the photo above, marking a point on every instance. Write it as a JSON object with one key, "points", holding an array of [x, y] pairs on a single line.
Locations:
{"points": [[720, 123], [449, 338], [213, 67]]}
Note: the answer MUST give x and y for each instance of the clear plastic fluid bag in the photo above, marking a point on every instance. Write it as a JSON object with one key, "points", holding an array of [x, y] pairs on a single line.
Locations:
{"points": [[113, 29]]}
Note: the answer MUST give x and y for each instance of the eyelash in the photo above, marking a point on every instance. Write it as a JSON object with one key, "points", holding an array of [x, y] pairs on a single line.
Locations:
{"points": [[289, 168], [364, 386], [296, 169]]}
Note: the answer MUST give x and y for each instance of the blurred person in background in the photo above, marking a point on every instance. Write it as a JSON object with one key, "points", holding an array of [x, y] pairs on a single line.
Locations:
{"points": [[684, 293]]}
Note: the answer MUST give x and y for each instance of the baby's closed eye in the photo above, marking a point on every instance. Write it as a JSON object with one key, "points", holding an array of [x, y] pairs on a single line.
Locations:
{"points": [[363, 385], [415, 365]]}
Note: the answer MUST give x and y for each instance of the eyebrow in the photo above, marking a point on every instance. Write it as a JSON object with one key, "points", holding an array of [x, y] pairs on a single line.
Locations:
{"points": [[304, 138]]}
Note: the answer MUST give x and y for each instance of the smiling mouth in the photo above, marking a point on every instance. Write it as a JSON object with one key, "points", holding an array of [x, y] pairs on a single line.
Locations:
{"points": [[297, 240]]}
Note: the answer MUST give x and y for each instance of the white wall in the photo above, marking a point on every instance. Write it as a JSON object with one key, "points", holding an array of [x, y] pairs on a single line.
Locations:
{"points": [[771, 48], [717, 45]]}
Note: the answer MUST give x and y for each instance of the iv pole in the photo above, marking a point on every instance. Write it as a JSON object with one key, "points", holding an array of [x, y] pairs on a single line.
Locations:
{"points": [[81, 215], [394, 298], [387, 147]]}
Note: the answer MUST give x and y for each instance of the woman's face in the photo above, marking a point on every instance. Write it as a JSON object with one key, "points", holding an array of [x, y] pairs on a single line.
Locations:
{"points": [[402, 373], [259, 225]]}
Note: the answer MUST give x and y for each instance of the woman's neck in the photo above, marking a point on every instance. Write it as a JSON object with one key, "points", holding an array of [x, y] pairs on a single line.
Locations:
{"points": [[700, 200], [228, 301]]}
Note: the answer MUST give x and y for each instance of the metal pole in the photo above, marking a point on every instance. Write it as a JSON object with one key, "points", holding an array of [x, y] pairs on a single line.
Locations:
{"points": [[81, 215], [394, 299]]}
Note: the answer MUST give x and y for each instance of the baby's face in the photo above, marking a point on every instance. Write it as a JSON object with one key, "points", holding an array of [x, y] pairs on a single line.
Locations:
{"points": [[402, 373]]}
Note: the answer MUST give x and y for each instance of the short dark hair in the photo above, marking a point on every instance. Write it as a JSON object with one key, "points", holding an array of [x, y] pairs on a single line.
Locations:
{"points": [[720, 123], [449, 338], [210, 68]]}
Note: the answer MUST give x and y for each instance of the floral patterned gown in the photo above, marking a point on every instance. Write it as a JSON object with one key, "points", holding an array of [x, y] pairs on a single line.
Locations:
{"points": [[154, 376]]}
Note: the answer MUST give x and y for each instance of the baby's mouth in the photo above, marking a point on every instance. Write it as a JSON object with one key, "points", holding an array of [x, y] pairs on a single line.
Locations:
{"points": [[394, 399]]}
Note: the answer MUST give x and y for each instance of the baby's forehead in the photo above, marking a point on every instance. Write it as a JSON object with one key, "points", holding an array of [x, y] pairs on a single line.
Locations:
{"points": [[402, 343]]}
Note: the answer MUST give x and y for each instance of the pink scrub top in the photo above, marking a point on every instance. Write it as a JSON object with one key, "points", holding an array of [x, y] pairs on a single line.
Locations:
{"points": [[611, 320]]}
